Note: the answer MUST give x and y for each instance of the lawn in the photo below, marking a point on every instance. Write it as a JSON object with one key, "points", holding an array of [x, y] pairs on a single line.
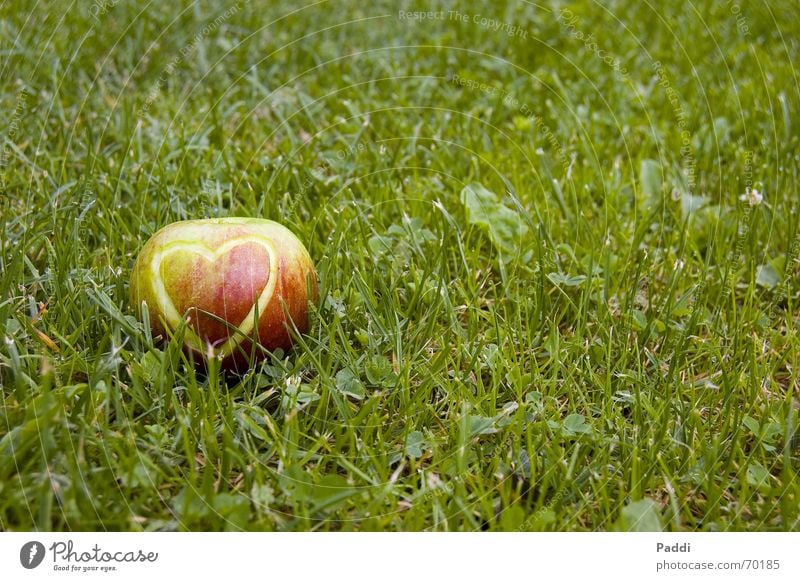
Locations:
{"points": [[557, 247]]}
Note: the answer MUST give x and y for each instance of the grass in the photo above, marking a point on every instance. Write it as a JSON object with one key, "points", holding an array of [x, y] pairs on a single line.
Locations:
{"points": [[544, 303]]}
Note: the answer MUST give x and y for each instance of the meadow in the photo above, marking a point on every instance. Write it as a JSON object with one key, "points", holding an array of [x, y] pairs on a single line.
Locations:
{"points": [[557, 247]]}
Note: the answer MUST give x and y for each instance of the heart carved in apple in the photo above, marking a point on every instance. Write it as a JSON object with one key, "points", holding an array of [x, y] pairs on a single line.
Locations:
{"points": [[232, 280]]}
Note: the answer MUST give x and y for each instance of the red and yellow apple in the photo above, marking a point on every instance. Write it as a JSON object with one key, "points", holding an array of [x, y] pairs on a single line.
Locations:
{"points": [[232, 280]]}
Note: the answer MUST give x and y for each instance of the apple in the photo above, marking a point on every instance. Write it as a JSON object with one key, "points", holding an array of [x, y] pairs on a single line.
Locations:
{"points": [[231, 279]]}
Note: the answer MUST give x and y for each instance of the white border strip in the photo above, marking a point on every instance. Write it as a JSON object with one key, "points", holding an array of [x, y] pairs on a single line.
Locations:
{"points": [[403, 556]]}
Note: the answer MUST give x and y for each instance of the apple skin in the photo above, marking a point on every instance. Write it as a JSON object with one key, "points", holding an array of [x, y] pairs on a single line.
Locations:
{"points": [[219, 274]]}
